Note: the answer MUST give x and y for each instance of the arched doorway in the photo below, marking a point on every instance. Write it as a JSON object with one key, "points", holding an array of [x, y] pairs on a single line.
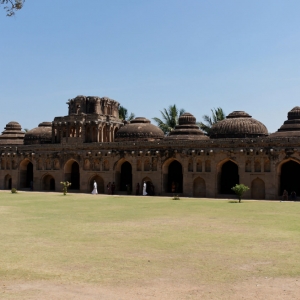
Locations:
{"points": [[48, 183], [126, 176], [175, 176], [150, 189], [258, 189], [229, 177], [75, 176], [199, 188], [26, 174], [100, 184], [290, 177], [7, 182]]}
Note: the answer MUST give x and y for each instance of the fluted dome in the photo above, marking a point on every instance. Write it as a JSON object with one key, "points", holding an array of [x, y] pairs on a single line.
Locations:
{"points": [[39, 135], [291, 127], [238, 124], [12, 134], [139, 129], [187, 129]]}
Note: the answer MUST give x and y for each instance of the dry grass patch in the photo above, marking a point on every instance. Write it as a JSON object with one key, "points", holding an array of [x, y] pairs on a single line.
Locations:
{"points": [[111, 243]]}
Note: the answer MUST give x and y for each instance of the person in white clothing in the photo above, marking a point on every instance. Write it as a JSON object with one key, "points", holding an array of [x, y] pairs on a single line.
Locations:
{"points": [[95, 192], [144, 188]]}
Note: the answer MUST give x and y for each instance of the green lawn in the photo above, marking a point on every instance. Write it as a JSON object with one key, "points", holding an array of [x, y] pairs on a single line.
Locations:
{"points": [[117, 239]]}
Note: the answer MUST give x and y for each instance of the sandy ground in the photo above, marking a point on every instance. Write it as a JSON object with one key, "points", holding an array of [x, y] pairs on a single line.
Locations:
{"points": [[263, 288]]}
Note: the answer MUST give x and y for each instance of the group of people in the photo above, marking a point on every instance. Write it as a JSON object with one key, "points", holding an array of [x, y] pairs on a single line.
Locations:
{"points": [[147, 190], [110, 188], [285, 195]]}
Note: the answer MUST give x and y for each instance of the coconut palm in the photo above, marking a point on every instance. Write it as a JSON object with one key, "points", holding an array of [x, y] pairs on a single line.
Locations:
{"points": [[169, 119], [218, 114], [123, 114]]}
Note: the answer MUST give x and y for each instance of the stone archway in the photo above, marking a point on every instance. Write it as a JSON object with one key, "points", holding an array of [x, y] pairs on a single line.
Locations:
{"points": [[26, 174], [290, 177], [126, 176], [150, 189], [229, 177], [175, 177], [7, 182], [72, 174], [48, 183], [100, 184], [258, 189], [199, 187]]}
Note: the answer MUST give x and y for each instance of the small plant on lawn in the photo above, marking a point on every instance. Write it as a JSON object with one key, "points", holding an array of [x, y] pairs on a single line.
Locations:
{"points": [[14, 191], [65, 185], [240, 189], [176, 197]]}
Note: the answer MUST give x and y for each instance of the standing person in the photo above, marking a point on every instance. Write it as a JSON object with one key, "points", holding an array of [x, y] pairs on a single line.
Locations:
{"points": [[108, 188], [137, 189], [144, 189], [113, 187], [95, 191], [173, 187], [285, 195]]}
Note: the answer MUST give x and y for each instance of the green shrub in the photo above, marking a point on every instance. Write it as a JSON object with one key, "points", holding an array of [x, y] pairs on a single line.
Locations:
{"points": [[65, 185], [14, 191], [240, 189]]}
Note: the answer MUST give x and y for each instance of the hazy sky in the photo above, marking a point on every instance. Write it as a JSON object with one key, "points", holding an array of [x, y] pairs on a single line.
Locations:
{"points": [[238, 55]]}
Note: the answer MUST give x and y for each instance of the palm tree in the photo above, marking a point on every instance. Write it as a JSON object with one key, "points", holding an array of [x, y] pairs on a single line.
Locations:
{"points": [[170, 118], [123, 114], [218, 114]]}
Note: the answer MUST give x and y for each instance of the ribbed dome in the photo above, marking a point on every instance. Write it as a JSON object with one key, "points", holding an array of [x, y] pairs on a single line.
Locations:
{"points": [[12, 134], [291, 127], [139, 129], [39, 135], [238, 124], [187, 129]]}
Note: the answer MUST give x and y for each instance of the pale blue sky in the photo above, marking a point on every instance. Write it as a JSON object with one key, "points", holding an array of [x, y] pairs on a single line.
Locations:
{"points": [[239, 55]]}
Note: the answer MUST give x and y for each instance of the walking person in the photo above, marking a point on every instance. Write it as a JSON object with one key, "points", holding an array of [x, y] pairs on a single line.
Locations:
{"points": [[137, 189], [113, 187], [108, 188], [144, 189], [95, 191]]}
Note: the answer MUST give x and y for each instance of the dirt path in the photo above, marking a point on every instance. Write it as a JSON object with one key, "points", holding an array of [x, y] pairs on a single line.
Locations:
{"points": [[264, 288]]}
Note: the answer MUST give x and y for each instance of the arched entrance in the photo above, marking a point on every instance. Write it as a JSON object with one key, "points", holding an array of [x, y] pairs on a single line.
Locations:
{"points": [[48, 183], [199, 188], [290, 177], [126, 176], [26, 174], [229, 177], [72, 174], [175, 176], [150, 189], [258, 189], [7, 182], [100, 184]]}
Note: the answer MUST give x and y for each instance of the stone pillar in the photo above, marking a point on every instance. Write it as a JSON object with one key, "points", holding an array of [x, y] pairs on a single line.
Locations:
{"points": [[53, 134]]}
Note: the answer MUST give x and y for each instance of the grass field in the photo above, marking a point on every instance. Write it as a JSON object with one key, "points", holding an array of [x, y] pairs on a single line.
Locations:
{"points": [[128, 247]]}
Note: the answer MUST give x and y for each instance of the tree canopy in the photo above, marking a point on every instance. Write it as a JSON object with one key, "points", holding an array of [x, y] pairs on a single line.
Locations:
{"points": [[123, 114], [169, 119], [11, 6], [217, 115]]}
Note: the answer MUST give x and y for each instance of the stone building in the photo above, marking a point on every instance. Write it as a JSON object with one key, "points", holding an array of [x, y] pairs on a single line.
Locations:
{"points": [[92, 143]]}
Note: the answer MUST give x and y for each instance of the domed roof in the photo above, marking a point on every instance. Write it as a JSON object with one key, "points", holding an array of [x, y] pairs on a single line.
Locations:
{"points": [[139, 129], [12, 134], [238, 124], [187, 129], [39, 135], [291, 127]]}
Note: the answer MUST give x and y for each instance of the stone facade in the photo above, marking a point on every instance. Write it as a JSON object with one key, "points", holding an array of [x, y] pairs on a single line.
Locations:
{"points": [[92, 143]]}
